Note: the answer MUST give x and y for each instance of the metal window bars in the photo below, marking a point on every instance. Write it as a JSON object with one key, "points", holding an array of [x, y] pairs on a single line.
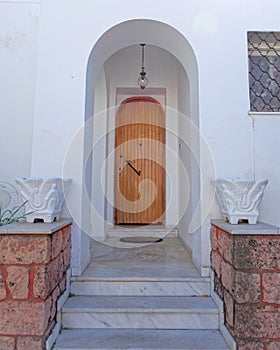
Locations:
{"points": [[264, 71]]}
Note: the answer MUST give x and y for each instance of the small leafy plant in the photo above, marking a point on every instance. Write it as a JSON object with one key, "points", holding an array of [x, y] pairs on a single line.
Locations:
{"points": [[9, 216]]}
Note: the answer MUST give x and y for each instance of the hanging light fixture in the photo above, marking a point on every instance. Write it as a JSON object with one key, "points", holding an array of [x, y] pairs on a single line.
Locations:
{"points": [[142, 81]]}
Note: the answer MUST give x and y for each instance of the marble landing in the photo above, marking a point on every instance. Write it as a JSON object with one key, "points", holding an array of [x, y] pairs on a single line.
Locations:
{"points": [[138, 339], [169, 250], [163, 268]]}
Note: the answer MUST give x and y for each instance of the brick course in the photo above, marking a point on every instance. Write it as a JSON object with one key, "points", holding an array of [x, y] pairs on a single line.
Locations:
{"points": [[18, 281], [7, 343], [19, 249], [29, 343], [247, 279], [273, 345], [271, 287], [256, 252], [32, 277]]}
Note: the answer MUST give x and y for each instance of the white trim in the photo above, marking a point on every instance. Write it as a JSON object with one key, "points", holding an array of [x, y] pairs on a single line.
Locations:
{"points": [[264, 114], [60, 302], [20, 2], [220, 304], [158, 93], [77, 271], [204, 271]]}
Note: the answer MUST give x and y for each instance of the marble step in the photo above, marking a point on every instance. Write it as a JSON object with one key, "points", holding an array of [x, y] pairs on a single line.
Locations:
{"points": [[140, 312], [153, 281], [144, 231], [138, 339]]}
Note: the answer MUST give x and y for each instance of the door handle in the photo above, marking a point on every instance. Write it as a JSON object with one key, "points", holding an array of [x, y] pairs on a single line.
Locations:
{"points": [[138, 172]]}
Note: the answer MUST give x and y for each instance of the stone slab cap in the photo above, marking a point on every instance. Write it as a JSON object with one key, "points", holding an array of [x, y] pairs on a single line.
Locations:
{"points": [[245, 229], [39, 228]]}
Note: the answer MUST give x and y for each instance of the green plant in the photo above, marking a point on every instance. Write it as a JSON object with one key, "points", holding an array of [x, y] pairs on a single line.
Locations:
{"points": [[8, 216]]}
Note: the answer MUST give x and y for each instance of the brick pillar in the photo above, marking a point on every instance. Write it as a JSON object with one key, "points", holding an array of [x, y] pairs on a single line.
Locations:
{"points": [[33, 263], [246, 264]]}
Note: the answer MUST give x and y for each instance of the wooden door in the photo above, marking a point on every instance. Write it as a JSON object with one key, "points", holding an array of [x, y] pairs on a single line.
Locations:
{"points": [[140, 162]]}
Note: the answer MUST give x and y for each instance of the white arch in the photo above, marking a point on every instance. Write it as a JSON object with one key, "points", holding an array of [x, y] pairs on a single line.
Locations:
{"points": [[166, 37], [152, 33]]}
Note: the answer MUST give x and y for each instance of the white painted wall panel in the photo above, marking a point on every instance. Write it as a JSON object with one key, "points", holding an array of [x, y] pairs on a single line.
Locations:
{"points": [[19, 25]]}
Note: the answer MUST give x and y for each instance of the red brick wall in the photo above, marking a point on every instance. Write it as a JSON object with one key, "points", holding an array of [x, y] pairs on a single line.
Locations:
{"points": [[247, 279], [32, 277]]}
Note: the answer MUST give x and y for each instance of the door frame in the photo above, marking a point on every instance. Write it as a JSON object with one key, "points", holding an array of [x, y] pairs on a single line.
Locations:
{"points": [[118, 95]]}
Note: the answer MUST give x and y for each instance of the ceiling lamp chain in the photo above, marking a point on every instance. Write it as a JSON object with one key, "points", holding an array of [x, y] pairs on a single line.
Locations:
{"points": [[143, 81]]}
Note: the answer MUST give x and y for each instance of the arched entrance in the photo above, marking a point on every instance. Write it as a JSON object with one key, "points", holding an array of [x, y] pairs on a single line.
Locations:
{"points": [[182, 121]]}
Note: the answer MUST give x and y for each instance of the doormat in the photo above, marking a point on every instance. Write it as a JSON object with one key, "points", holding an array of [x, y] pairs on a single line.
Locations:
{"points": [[138, 239]]}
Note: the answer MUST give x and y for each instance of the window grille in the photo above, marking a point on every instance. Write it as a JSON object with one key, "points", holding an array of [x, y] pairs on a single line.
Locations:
{"points": [[264, 71]]}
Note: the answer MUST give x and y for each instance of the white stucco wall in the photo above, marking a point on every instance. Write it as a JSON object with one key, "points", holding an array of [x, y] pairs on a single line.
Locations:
{"points": [[19, 30], [266, 164], [215, 29]]}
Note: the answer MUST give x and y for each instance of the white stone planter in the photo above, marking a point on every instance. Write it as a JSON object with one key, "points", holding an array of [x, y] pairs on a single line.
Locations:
{"points": [[240, 199], [45, 197]]}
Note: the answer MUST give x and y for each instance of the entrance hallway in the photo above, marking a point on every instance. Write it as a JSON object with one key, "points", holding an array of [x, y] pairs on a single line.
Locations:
{"points": [[148, 297]]}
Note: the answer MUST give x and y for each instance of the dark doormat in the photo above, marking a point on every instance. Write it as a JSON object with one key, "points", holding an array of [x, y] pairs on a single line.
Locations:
{"points": [[138, 239]]}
